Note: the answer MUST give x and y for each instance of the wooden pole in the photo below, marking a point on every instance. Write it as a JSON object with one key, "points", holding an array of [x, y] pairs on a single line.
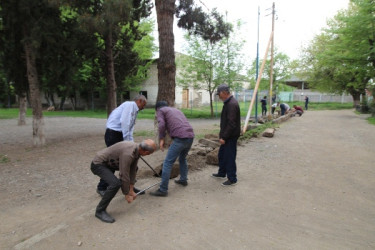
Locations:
{"points": [[271, 66], [257, 85]]}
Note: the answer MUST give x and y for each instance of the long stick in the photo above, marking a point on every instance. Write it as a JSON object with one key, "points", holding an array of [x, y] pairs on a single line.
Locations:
{"points": [[256, 86], [148, 188], [149, 166]]}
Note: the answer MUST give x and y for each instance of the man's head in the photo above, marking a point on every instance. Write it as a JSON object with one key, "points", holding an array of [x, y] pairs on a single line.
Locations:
{"points": [[147, 147], [223, 92], [161, 104], [141, 101]]}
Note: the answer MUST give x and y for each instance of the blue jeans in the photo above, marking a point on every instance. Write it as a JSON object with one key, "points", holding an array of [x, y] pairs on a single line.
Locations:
{"points": [[179, 148], [227, 159]]}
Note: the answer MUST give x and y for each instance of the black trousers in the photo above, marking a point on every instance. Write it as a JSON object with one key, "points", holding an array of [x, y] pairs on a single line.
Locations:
{"points": [[112, 181], [264, 110], [110, 137]]}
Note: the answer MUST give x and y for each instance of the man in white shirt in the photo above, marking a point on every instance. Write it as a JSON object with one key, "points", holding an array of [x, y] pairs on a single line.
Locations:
{"points": [[120, 127]]}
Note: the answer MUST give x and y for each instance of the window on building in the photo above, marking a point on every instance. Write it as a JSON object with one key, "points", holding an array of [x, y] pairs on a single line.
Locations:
{"points": [[143, 93]]}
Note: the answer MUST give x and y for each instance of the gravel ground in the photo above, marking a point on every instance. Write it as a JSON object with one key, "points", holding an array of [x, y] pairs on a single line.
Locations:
{"points": [[311, 186]]}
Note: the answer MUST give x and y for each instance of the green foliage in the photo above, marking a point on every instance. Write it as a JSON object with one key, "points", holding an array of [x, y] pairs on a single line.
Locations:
{"points": [[210, 64], [210, 27], [69, 39], [4, 159], [371, 120], [283, 69], [341, 59]]}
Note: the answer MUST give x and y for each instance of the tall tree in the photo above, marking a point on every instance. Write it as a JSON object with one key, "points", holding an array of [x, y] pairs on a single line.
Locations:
{"points": [[107, 19], [341, 59], [12, 56], [165, 10], [282, 69], [34, 21], [191, 18], [210, 64]]}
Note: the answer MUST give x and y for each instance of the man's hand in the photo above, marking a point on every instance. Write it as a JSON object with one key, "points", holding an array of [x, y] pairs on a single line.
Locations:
{"points": [[129, 198], [222, 141], [133, 194], [161, 144]]}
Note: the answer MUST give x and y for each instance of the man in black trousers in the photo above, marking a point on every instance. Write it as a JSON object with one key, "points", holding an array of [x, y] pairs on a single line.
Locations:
{"points": [[230, 130], [122, 156]]}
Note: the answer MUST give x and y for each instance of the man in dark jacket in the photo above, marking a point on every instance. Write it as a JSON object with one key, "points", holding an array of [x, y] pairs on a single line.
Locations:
{"points": [[230, 130]]}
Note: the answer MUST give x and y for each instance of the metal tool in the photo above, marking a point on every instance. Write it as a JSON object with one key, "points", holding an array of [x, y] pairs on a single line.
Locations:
{"points": [[149, 166], [148, 188]]}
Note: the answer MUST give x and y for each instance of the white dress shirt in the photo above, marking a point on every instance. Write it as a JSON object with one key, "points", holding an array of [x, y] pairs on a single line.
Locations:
{"points": [[122, 119]]}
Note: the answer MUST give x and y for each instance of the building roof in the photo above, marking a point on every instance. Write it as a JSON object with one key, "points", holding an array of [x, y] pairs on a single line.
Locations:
{"points": [[296, 82]]}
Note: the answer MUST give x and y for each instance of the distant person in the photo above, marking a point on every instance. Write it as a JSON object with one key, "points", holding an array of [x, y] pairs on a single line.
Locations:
{"points": [[174, 122], [120, 127], [298, 110], [273, 108], [306, 102], [264, 105], [230, 131], [122, 156], [284, 108]]}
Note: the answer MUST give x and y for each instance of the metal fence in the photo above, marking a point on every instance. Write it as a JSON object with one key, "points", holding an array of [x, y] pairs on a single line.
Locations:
{"points": [[297, 95]]}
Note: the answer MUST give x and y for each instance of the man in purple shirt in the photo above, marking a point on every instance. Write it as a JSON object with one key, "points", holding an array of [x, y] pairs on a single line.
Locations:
{"points": [[174, 122]]}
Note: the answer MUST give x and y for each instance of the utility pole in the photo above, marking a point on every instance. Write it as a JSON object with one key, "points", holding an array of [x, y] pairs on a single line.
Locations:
{"points": [[271, 66], [257, 70]]}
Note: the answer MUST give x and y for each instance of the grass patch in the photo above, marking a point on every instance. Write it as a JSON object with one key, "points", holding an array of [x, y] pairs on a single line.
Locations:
{"points": [[371, 120], [145, 133], [149, 113], [4, 159], [257, 131]]}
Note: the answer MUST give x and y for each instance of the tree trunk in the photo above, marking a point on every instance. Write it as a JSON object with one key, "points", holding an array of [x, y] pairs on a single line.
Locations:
{"points": [[111, 81], [211, 104], [36, 104], [356, 98], [22, 110], [62, 102], [166, 63]]}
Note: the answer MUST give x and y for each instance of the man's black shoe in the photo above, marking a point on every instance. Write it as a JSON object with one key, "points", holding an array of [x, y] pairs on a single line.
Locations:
{"points": [[159, 193], [100, 192], [104, 216], [136, 190], [228, 183], [218, 176], [183, 183]]}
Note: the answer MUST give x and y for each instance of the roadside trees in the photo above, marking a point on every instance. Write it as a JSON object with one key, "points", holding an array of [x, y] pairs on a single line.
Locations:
{"points": [[342, 58], [210, 63]]}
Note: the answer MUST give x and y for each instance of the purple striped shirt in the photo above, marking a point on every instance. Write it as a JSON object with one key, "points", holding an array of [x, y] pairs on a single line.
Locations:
{"points": [[174, 121]]}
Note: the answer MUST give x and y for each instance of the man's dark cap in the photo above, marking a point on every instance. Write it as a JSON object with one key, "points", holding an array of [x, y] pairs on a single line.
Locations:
{"points": [[222, 87], [160, 104]]}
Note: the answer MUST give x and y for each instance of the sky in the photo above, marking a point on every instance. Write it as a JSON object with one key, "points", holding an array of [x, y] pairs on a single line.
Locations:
{"points": [[296, 22]]}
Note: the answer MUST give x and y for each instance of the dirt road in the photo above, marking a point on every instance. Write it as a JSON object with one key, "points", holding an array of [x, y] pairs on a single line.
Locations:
{"points": [[312, 186]]}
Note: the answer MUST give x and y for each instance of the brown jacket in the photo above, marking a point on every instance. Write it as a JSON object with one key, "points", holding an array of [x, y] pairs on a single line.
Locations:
{"points": [[122, 156]]}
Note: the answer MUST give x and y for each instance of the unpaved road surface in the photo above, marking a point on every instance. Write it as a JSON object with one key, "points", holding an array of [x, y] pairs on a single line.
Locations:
{"points": [[311, 186]]}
